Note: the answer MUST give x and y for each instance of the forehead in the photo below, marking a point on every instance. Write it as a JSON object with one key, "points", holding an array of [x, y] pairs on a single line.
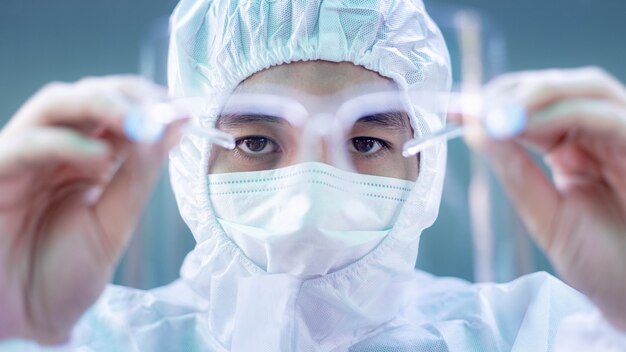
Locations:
{"points": [[315, 78], [326, 86]]}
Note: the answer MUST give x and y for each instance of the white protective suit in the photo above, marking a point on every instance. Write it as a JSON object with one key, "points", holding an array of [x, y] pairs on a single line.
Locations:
{"points": [[225, 302]]}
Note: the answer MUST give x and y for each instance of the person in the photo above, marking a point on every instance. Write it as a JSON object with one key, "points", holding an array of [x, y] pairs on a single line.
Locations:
{"points": [[73, 187]]}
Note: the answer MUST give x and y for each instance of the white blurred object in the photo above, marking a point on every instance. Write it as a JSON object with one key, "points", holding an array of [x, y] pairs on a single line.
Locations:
{"points": [[589, 332], [501, 119], [147, 123]]}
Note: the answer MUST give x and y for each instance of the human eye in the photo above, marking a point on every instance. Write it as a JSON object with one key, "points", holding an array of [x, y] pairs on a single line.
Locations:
{"points": [[256, 146], [367, 146]]}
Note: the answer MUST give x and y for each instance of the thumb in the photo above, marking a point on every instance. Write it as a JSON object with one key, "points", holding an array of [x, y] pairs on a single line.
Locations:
{"points": [[528, 187], [122, 201]]}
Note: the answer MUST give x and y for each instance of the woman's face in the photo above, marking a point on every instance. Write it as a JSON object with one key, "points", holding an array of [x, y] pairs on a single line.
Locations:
{"points": [[373, 144]]}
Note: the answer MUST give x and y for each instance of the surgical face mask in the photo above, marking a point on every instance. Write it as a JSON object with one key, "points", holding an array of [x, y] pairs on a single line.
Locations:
{"points": [[308, 219]]}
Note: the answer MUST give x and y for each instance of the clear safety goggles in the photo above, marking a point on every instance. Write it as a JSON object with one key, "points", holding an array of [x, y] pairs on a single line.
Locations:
{"points": [[369, 131], [363, 133]]}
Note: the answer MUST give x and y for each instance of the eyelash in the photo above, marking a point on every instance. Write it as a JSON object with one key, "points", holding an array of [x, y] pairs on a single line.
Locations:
{"points": [[385, 147], [253, 157]]}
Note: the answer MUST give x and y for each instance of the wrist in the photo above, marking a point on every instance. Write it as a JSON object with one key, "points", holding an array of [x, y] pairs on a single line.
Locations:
{"points": [[14, 323], [12, 329], [617, 321]]}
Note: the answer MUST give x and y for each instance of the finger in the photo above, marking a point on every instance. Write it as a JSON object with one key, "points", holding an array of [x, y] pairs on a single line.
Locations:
{"points": [[558, 100], [95, 101], [121, 203], [593, 117], [507, 82], [50, 145], [527, 186], [537, 89], [134, 87]]}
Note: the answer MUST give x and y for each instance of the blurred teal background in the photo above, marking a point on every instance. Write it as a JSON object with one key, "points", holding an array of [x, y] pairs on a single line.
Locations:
{"points": [[64, 40]]}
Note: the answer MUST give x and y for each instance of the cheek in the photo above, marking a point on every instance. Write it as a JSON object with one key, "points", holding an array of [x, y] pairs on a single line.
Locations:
{"points": [[218, 161], [395, 166], [408, 168], [225, 161]]}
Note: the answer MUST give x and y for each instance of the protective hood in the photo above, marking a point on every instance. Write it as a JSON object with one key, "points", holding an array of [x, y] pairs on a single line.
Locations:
{"points": [[215, 45]]}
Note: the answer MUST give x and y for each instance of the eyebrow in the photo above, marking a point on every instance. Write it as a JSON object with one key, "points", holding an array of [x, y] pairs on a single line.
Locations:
{"points": [[393, 120], [236, 120], [397, 120]]}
